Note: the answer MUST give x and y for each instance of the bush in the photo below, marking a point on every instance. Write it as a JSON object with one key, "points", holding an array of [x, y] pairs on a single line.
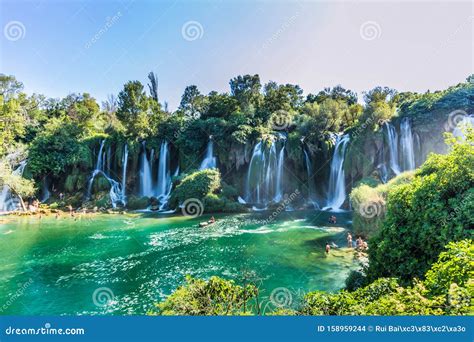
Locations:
{"points": [[426, 214], [456, 265], [215, 296], [369, 203]]}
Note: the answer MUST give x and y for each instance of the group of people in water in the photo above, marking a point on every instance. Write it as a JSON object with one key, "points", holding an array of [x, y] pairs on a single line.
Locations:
{"points": [[360, 244]]}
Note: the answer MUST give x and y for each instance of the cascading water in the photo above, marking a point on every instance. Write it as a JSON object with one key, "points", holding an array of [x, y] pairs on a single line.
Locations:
{"points": [[164, 176], [337, 183], [209, 161], [278, 192], [45, 193], [265, 174], [406, 145], [146, 182], [124, 172], [309, 172], [115, 193], [8, 201], [392, 139]]}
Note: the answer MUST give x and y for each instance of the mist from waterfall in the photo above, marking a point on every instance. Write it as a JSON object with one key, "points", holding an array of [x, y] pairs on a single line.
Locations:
{"points": [[406, 145], [8, 201], [209, 161], [337, 183]]}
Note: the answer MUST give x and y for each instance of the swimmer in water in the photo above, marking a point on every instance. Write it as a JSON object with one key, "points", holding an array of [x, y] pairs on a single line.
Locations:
{"points": [[328, 247]]}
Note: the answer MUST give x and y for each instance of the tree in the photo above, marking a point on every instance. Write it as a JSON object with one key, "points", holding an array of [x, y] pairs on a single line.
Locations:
{"points": [[12, 118], [246, 90], [153, 85], [192, 101], [139, 113], [336, 93]]}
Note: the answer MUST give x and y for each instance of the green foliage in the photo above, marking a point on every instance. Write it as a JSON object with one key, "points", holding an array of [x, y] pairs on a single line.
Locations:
{"points": [[446, 290], [196, 185], [18, 185], [455, 265], [424, 215], [58, 147], [369, 203], [213, 297]]}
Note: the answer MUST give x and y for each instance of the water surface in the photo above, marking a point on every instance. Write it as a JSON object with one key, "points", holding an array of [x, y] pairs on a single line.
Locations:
{"points": [[53, 266]]}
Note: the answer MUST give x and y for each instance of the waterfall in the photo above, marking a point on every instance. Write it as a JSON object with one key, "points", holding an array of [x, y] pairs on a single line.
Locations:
{"points": [[392, 139], [146, 183], [278, 190], [8, 201], [124, 172], [164, 176], [45, 193], [265, 174], [309, 172], [337, 184], [406, 145], [209, 161], [115, 193]]}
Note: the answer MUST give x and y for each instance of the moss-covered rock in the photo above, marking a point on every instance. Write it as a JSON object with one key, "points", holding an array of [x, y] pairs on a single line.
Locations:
{"points": [[136, 202]]}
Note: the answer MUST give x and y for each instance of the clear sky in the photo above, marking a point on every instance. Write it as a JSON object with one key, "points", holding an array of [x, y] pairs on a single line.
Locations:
{"points": [[58, 47]]}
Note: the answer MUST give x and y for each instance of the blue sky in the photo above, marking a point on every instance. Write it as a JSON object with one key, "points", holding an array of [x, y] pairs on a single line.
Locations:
{"points": [[96, 46]]}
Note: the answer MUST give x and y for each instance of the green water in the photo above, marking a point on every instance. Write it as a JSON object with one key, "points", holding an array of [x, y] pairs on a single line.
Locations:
{"points": [[53, 266]]}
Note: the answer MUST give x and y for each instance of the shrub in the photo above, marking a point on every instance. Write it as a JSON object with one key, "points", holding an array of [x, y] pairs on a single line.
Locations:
{"points": [[215, 296], [426, 214], [196, 185]]}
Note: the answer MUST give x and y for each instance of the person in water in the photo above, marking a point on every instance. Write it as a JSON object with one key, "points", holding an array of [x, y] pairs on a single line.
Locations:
{"points": [[212, 220], [332, 219], [349, 240], [328, 247]]}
